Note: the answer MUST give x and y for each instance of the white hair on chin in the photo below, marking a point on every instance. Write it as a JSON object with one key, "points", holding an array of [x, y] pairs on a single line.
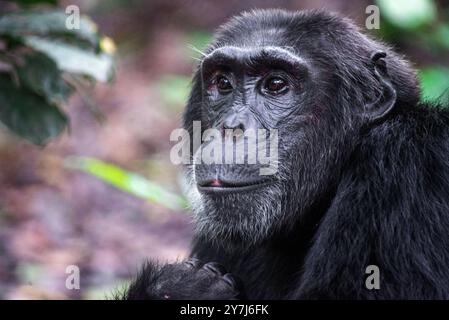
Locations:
{"points": [[221, 228]]}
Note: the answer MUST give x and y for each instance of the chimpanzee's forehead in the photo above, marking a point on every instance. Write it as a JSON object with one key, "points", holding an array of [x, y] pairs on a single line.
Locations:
{"points": [[255, 37], [259, 53], [282, 29]]}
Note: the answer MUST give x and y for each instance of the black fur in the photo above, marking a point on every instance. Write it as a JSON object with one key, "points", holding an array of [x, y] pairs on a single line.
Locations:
{"points": [[359, 183]]}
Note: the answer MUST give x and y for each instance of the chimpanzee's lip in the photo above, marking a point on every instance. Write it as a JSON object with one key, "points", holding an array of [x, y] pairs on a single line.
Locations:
{"points": [[220, 186]]}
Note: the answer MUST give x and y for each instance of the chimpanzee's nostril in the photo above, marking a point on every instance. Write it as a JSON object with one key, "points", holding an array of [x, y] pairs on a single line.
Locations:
{"points": [[233, 123]]}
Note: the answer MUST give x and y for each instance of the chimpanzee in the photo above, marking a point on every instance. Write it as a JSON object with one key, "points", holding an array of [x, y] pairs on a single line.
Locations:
{"points": [[362, 177]]}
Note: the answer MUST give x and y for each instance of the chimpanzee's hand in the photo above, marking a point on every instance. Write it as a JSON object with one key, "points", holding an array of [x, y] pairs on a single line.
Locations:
{"points": [[188, 280]]}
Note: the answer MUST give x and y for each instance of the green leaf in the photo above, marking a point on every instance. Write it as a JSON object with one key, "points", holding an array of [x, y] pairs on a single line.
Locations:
{"points": [[33, 2], [174, 89], [41, 75], [434, 83], [129, 182], [408, 14], [75, 60], [49, 24], [197, 42], [28, 114], [441, 36], [30, 272]]}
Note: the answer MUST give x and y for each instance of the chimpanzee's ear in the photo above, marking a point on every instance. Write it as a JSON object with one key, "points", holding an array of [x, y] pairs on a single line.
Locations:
{"points": [[384, 103]]}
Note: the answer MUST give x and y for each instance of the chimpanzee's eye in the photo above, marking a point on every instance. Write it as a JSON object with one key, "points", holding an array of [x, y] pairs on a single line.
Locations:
{"points": [[223, 84], [275, 85]]}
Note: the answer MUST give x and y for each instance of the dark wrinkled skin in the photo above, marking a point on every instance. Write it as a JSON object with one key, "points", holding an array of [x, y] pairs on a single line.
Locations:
{"points": [[363, 173]]}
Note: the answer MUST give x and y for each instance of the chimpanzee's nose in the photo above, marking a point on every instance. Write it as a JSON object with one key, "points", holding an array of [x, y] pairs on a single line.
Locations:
{"points": [[234, 121]]}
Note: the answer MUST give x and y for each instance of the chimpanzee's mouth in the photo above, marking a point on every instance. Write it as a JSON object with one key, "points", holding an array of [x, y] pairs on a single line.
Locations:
{"points": [[220, 185]]}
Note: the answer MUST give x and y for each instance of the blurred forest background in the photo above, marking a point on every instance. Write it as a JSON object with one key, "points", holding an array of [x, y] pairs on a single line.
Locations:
{"points": [[103, 195]]}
